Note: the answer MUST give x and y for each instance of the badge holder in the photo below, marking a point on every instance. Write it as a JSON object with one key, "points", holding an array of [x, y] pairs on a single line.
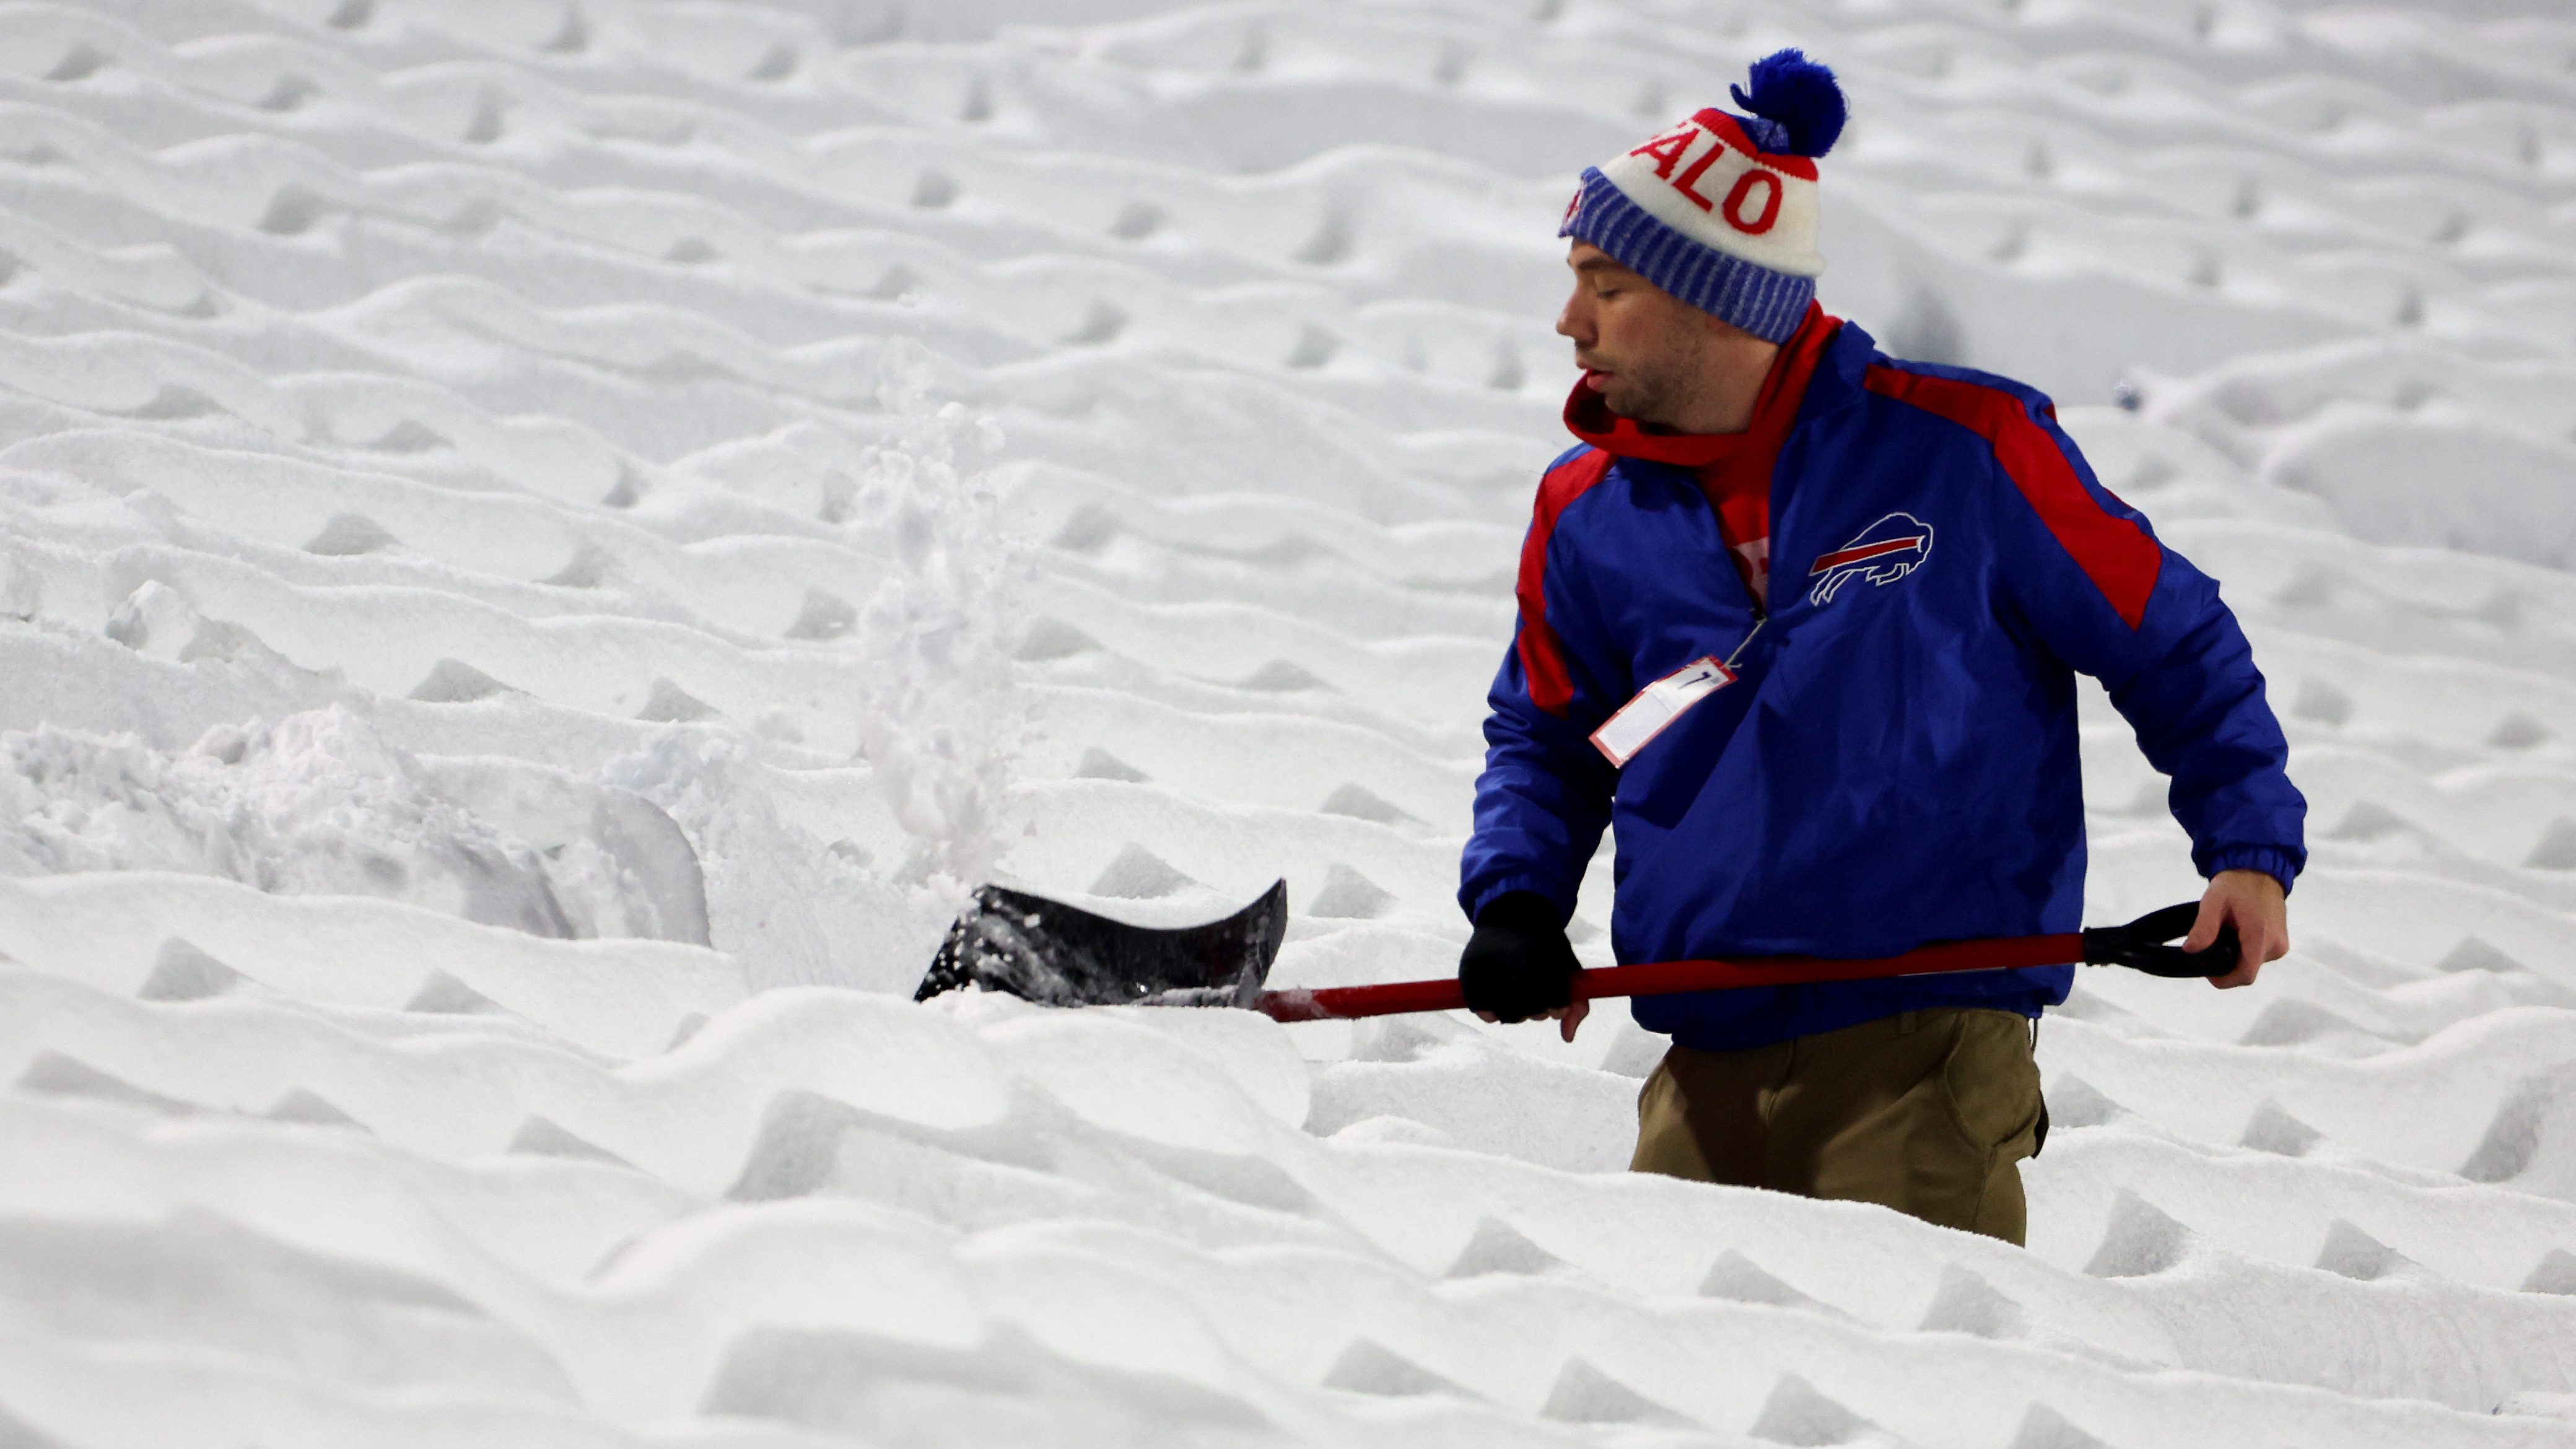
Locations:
{"points": [[1659, 704]]}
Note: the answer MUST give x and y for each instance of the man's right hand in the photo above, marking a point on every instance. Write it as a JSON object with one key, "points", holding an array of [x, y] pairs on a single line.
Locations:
{"points": [[1518, 964]]}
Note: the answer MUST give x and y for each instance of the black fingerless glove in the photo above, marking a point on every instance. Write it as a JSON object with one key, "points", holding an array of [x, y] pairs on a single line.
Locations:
{"points": [[1518, 964]]}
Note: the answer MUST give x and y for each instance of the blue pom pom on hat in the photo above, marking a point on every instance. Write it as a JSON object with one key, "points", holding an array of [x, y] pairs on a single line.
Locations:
{"points": [[1795, 101], [1720, 210]]}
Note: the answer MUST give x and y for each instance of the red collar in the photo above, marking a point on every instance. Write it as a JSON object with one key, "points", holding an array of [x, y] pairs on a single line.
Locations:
{"points": [[1777, 407]]}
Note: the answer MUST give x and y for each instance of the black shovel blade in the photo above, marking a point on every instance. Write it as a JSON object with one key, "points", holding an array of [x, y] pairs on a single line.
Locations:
{"points": [[1059, 955]]}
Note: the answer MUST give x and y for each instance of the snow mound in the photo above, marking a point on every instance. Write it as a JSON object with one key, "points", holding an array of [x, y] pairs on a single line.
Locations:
{"points": [[318, 804]]}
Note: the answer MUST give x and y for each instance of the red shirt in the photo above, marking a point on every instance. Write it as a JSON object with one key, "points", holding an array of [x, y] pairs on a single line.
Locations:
{"points": [[1734, 468]]}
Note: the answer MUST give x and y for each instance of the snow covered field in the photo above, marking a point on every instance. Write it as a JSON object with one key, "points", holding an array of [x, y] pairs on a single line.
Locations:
{"points": [[542, 545]]}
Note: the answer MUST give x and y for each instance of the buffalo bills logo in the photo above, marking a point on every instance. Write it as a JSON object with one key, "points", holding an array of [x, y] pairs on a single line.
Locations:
{"points": [[1882, 553]]}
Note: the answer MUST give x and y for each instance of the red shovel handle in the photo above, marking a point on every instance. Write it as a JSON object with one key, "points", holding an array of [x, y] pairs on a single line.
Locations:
{"points": [[1661, 978]]}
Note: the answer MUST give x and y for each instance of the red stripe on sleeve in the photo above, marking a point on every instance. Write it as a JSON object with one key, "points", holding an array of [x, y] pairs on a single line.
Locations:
{"points": [[1551, 686], [2116, 554]]}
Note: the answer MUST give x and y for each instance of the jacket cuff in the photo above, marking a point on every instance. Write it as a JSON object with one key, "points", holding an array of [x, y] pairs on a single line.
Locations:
{"points": [[2281, 865], [1493, 890]]}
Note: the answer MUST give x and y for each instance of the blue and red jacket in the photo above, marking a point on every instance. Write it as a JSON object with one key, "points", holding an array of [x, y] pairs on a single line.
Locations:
{"points": [[1895, 763]]}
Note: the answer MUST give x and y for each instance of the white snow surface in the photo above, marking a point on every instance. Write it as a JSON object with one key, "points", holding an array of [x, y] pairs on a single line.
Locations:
{"points": [[543, 546]]}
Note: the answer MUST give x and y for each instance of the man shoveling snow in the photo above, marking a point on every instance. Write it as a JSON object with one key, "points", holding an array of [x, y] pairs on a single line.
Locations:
{"points": [[1801, 623]]}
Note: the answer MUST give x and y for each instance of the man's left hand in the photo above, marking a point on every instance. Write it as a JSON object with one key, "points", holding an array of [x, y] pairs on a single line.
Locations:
{"points": [[2254, 903]]}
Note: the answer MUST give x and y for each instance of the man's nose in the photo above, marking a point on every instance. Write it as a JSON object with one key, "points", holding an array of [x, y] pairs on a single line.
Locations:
{"points": [[1572, 321]]}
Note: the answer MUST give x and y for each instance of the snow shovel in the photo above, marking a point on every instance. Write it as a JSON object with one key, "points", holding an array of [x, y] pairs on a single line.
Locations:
{"points": [[1059, 955]]}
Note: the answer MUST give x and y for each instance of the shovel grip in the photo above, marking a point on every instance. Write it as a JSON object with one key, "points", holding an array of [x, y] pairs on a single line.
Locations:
{"points": [[2140, 946]]}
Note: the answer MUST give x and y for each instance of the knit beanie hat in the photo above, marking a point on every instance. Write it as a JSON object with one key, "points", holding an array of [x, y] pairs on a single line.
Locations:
{"points": [[1720, 210]]}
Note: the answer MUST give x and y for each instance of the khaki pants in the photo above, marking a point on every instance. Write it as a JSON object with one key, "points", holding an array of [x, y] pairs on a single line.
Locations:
{"points": [[1929, 1113]]}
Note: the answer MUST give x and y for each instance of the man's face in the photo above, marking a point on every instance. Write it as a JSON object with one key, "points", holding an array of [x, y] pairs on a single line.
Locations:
{"points": [[1639, 346]]}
